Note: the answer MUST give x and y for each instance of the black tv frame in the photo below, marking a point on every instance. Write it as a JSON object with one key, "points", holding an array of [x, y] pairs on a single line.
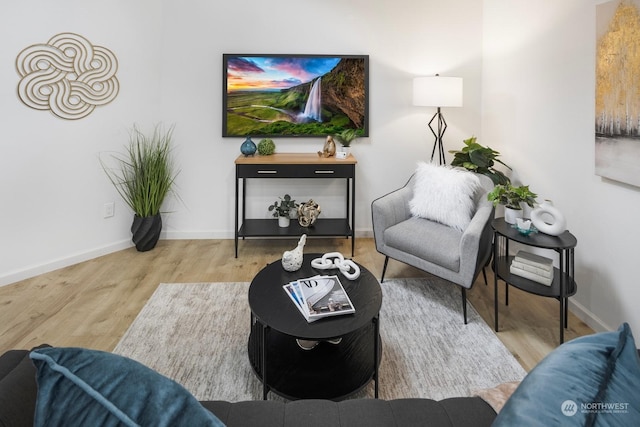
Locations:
{"points": [[290, 121]]}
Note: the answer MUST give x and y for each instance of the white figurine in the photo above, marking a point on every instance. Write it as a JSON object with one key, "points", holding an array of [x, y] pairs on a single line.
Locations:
{"points": [[292, 260]]}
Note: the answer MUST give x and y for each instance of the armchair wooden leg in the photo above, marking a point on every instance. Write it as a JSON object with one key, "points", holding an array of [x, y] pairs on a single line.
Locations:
{"points": [[384, 269], [484, 274], [464, 303]]}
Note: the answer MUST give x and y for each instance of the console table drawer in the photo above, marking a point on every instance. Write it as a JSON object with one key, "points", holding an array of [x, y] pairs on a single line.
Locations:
{"points": [[295, 171]]}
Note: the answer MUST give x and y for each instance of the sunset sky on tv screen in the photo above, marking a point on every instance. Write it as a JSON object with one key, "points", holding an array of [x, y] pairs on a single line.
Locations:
{"points": [[274, 73]]}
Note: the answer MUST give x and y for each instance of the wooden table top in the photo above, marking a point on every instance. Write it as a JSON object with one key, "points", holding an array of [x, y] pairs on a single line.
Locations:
{"points": [[293, 158]]}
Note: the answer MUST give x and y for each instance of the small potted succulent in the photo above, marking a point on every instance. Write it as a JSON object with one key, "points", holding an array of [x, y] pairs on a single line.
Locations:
{"points": [[282, 210], [345, 138], [512, 198]]}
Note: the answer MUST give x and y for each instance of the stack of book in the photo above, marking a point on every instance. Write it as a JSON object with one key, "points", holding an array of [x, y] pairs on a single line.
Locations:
{"points": [[319, 296], [533, 267]]}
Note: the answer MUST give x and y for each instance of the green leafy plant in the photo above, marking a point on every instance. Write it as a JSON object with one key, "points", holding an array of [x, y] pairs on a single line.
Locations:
{"points": [[479, 159], [266, 147], [511, 197], [346, 137], [144, 174], [284, 207]]}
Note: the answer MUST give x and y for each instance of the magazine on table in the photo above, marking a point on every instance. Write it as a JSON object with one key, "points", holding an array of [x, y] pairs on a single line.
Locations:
{"points": [[319, 296], [295, 296]]}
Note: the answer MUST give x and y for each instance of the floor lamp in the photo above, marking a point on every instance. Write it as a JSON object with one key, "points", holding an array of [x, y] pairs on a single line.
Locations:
{"points": [[437, 92]]}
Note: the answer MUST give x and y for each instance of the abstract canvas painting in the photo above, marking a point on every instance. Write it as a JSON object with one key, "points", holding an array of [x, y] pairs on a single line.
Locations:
{"points": [[617, 121]]}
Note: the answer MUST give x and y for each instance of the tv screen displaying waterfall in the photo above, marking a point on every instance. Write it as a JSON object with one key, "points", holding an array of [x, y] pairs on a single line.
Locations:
{"points": [[268, 95]]}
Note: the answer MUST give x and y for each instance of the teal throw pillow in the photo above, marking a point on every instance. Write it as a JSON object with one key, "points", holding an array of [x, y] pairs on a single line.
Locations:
{"points": [[590, 381], [81, 387]]}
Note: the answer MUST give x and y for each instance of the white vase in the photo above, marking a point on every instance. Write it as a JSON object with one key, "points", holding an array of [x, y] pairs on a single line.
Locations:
{"points": [[548, 219], [283, 221], [510, 215]]}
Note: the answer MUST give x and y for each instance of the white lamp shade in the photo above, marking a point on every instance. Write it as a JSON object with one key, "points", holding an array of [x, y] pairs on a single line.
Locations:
{"points": [[437, 91]]}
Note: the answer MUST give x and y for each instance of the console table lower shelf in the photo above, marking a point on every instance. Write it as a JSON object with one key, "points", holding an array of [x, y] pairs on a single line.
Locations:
{"points": [[326, 227], [329, 371]]}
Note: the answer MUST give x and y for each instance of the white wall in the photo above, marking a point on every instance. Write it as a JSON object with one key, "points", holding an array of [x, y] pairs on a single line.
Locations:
{"points": [[528, 70], [52, 187], [538, 110], [170, 56], [400, 44]]}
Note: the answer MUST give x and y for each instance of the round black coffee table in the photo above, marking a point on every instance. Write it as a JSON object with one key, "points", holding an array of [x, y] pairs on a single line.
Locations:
{"points": [[329, 371]]}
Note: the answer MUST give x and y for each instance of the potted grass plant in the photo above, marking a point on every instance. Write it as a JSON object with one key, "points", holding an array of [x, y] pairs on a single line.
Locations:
{"points": [[143, 176]]}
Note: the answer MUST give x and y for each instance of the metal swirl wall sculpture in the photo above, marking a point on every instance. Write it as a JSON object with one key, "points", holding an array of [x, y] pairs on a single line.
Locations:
{"points": [[67, 76]]}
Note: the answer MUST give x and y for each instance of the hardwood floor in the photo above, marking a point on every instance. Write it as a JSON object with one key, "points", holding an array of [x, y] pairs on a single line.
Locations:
{"points": [[92, 304]]}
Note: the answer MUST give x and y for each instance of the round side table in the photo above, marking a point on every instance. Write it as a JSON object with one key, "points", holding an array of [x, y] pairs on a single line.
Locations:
{"points": [[563, 285]]}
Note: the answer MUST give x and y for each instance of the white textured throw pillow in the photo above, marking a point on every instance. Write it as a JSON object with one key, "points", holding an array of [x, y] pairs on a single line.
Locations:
{"points": [[444, 194]]}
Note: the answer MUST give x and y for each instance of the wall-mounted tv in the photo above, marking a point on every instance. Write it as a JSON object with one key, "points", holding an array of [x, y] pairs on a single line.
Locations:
{"points": [[269, 95]]}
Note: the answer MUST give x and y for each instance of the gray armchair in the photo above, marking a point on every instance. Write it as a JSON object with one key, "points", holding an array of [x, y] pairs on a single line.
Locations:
{"points": [[456, 256]]}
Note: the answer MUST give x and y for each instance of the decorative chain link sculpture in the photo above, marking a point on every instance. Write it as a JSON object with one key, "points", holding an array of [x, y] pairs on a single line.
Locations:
{"points": [[332, 260]]}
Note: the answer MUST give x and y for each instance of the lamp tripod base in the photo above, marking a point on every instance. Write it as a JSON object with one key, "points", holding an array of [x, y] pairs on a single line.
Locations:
{"points": [[442, 126]]}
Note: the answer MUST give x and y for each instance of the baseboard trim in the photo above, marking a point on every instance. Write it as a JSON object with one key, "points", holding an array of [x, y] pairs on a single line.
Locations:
{"points": [[196, 235], [588, 317], [27, 273]]}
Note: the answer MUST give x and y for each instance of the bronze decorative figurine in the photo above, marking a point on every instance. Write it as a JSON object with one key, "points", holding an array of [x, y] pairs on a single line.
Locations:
{"points": [[329, 148], [308, 213]]}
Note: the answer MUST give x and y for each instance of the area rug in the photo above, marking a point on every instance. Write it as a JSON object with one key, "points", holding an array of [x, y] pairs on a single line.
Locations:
{"points": [[196, 334]]}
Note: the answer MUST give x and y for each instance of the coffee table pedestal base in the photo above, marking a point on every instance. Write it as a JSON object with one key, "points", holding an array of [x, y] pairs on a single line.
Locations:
{"points": [[329, 371]]}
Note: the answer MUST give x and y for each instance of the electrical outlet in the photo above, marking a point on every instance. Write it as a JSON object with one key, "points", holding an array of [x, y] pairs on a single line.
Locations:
{"points": [[109, 209]]}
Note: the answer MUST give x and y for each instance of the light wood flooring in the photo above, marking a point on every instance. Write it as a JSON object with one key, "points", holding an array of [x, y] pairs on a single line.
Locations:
{"points": [[91, 304]]}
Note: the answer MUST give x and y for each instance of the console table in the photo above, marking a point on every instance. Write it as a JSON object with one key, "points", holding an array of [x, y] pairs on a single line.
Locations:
{"points": [[563, 285], [292, 166]]}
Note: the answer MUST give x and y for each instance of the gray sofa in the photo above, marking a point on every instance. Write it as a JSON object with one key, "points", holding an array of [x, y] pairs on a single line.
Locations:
{"points": [[18, 391], [565, 387]]}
